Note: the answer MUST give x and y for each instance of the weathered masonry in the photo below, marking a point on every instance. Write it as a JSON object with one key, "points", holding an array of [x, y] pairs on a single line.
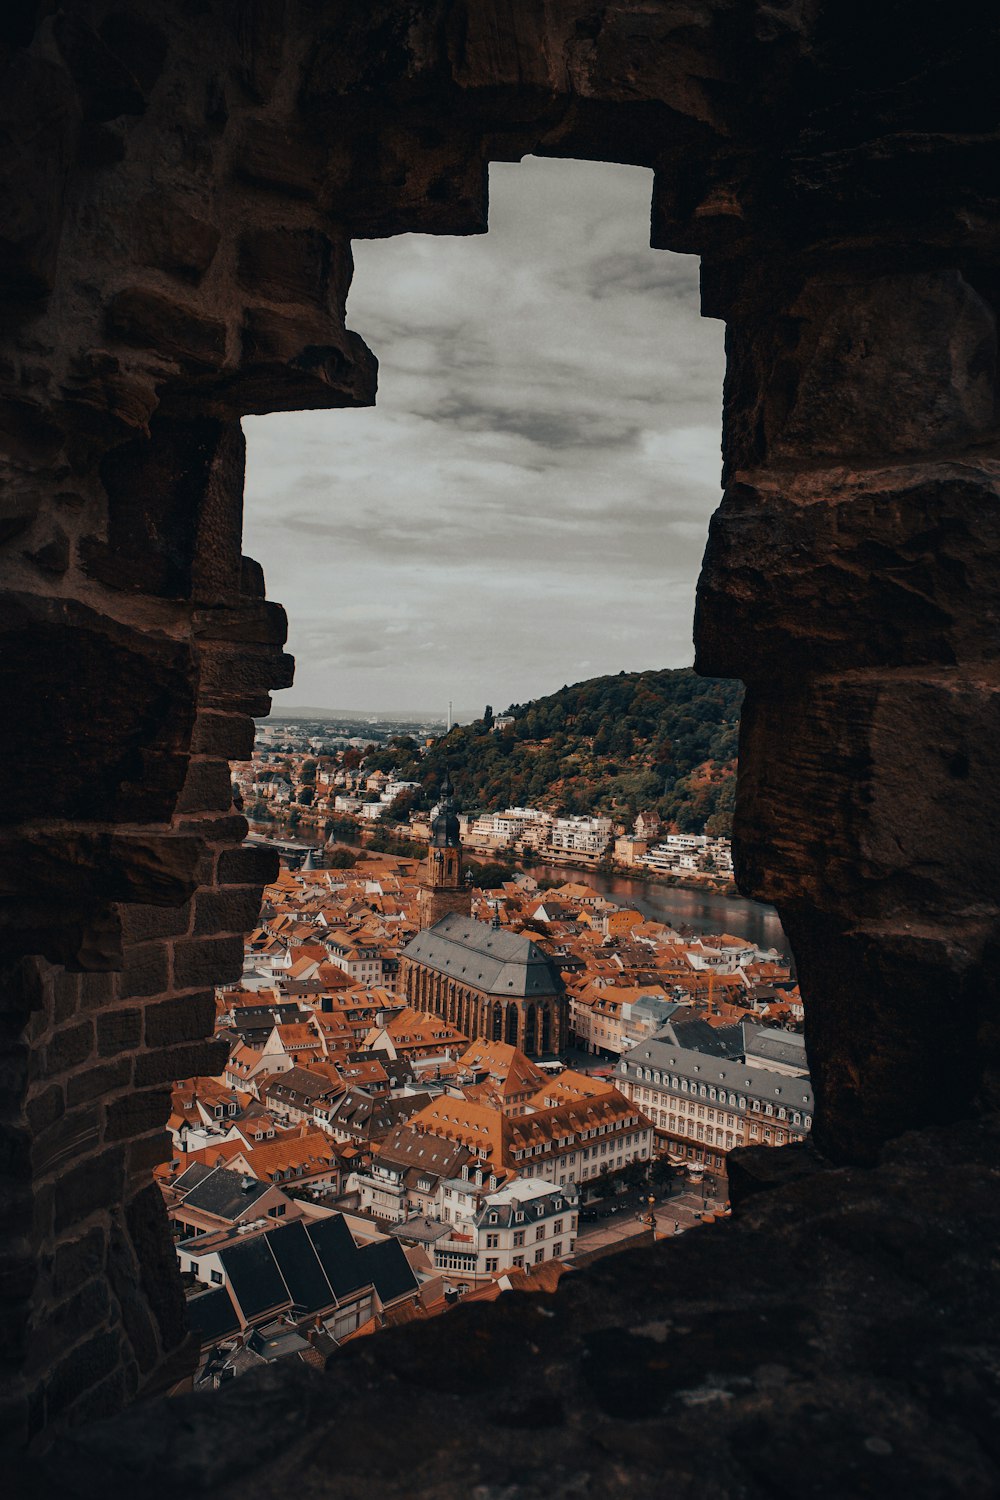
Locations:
{"points": [[181, 186]]}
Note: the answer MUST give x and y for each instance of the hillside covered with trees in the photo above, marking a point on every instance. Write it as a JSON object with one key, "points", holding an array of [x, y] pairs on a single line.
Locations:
{"points": [[663, 741]]}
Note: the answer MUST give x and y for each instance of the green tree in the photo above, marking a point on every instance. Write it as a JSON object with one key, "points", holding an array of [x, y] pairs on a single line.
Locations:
{"points": [[341, 858]]}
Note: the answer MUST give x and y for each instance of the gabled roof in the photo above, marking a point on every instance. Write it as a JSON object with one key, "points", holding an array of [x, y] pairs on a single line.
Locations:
{"points": [[492, 959], [226, 1194], [212, 1315], [338, 1255], [386, 1267], [253, 1275], [300, 1267], [407, 1148]]}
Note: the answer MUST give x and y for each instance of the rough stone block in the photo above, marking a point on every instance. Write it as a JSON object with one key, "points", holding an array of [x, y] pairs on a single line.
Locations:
{"points": [[887, 767], [294, 359], [262, 623], [146, 970], [98, 1082], [70, 1136], [184, 1018], [230, 735], [230, 675], [141, 924], [215, 830], [149, 320], [118, 1031], [207, 961], [137, 1113], [902, 363], [248, 866], [102, 741], [98, 989], [149, 1232], [78, 1260], [836, 570], [69, 1047], [158, 546], [286, 159], [81, 1370], [208, 787], [65, 996], [80, 1316], [172, 235], [45, 1107], [123, 1272], [230, 909], [192, 1060], [289, 265], [146, 1152], [93, 1184]]}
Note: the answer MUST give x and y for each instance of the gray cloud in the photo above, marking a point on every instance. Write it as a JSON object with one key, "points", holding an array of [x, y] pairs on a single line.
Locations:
{"points": [[529, 501]]}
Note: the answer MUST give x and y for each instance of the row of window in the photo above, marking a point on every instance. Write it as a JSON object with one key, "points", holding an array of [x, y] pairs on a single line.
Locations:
{"points": [[797, 1117]]}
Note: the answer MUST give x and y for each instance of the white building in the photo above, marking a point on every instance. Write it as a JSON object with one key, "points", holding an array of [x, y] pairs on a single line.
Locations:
{"points": [[518, 1226], [578, 835]]}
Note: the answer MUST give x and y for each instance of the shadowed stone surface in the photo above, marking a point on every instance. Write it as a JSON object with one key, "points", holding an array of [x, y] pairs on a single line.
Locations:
{"points": [[838, 1337], [181, 185]]}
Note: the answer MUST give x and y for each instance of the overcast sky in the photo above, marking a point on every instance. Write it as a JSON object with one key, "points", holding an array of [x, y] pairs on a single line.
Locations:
{"points": [[527, 505]]}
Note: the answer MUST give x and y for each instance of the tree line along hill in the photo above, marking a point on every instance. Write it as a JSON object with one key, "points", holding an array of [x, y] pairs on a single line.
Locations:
{"points": [[638, 741]]}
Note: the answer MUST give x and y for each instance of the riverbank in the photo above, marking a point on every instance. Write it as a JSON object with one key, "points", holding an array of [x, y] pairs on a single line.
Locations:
{"points": [[684, 908], [634, 872], [694, 906]]}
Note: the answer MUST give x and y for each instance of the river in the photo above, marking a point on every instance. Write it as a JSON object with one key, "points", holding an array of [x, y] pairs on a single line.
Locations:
{"points": [[704, 911]]}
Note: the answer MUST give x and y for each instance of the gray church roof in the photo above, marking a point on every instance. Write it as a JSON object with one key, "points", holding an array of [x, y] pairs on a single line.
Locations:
{"points": [[484, 957]]}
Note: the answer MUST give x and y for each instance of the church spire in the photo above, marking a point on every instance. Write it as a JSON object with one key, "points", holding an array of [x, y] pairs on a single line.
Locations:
{"points": [[443, 888]]}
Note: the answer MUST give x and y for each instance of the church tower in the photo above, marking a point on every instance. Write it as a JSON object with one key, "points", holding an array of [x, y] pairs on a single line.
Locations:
{"points": [[443, 888]]}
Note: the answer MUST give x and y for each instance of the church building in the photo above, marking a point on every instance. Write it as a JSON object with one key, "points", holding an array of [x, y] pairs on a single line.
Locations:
{"points": [[488, 982]]}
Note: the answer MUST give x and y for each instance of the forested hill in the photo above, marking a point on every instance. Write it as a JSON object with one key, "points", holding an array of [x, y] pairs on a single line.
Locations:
{"points": [[637, 741]]}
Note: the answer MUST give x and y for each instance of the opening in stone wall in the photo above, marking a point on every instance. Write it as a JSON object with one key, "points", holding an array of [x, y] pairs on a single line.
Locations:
{"points": [[529, 917]]}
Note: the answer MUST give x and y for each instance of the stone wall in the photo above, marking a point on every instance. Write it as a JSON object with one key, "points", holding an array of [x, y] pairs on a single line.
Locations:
{"points": [[181, 186]]}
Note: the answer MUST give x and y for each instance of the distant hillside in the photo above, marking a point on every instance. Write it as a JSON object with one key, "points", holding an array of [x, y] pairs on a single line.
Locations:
{"points": [[640, 740]]}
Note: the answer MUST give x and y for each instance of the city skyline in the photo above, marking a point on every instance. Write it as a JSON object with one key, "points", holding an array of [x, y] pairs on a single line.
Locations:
{"points": [[527, 504]]}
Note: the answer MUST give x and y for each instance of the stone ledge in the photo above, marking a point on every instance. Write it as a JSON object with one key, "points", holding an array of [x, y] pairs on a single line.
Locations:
{"points": [[840, 1337]]}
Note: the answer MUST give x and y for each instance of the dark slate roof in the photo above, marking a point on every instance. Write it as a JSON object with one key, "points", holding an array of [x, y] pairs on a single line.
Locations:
{"points": [[222, 1192], [386, 1267], [301, 1082], [264, 1017], [767, 1044], [338, 1255], [253, 1274], [369, 1119], [488, 958], [698, 1036], [212, 1315], [300, 1268], [750, 1078], [405, 1147], [192, 1175]]}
